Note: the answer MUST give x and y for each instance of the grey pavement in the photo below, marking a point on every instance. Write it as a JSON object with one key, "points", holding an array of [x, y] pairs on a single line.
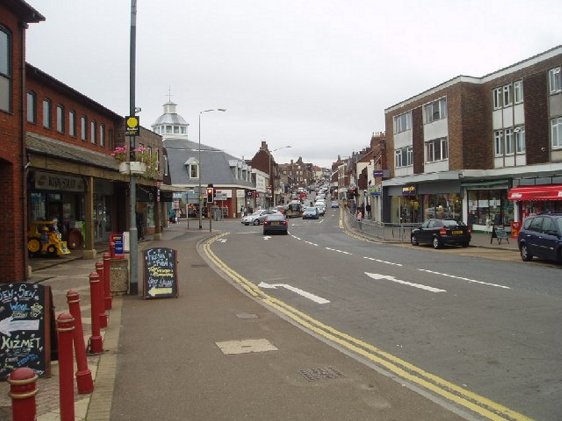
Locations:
{"points": [[216, 353]]}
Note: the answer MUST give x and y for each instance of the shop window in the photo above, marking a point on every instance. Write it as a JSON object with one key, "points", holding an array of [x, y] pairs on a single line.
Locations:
{"points": [[489, 207]]}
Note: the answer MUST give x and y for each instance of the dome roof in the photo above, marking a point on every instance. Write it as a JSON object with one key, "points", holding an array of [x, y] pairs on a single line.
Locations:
{"points": [[170, 116]]}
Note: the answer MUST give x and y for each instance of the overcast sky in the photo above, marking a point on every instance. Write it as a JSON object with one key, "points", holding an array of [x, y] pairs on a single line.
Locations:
{"points": [[313, 74]]}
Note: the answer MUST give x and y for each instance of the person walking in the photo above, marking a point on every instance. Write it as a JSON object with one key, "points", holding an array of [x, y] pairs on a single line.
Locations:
{"points": [[359, 218]]}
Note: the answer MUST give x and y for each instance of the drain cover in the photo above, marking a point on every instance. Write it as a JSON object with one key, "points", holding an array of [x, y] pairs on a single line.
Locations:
{"points": [[325, 373], [245, 346]]}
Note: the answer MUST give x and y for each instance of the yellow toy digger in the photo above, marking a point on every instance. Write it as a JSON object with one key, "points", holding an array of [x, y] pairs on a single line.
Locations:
{"points": [[44, 239]]}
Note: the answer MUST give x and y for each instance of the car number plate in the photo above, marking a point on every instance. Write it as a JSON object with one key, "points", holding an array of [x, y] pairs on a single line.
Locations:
{"points": [[458, 232], [275, 223]]}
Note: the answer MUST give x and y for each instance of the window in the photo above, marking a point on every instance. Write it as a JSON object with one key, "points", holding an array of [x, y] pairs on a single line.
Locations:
{"points": [[497, 95], [403, 122], [32, 107], [102, 135], [72, 123], [554, 81], [498, 143], [508, 142], [60, 119], [404, 157], [93, 128], [437, 150], [518, 92], [193, 171], [519, 133], [47, 113], [556, 133], [435, 111], [5, 70], [506, 95], [83, 128]]}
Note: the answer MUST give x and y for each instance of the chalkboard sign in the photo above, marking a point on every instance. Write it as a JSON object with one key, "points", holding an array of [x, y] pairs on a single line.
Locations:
{"points": [[25, 323], [500, 234], [160, 273]]}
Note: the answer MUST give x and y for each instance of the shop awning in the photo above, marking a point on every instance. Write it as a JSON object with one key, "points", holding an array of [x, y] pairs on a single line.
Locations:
{"points": [[529, 193]]}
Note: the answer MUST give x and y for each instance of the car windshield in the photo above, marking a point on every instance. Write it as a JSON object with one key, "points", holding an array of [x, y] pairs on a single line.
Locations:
{"points": [[452, 223], [310, 210], [275, 217]]}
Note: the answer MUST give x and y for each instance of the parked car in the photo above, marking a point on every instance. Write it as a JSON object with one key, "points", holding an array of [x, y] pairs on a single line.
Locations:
{"points": [[257, 217], [439, 232], [276, 222], [335, 204], [541, 236], [310, 212]]}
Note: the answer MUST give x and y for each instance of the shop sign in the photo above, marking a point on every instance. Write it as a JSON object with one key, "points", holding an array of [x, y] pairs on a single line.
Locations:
{"points": [[409, 191], [49, 181]]}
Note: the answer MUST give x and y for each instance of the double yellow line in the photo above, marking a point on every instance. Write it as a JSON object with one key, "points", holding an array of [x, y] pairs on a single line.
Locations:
{"points": [[441, 387]]}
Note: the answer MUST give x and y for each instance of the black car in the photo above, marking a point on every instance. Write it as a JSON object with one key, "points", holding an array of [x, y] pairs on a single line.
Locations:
{"points": [[439, 232], [541, 236], [276, 222]]}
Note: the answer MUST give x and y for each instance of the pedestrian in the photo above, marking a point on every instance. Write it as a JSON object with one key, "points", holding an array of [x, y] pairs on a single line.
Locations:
{"points": [[368, 209], [359, 218]]}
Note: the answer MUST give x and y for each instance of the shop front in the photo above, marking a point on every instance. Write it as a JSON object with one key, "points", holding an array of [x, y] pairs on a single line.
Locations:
{"points": [[59, 197], [488, 204], [533, 200]]}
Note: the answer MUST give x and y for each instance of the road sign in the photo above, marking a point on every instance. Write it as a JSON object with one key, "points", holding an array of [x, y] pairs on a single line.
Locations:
{"points": [[132, 125]]}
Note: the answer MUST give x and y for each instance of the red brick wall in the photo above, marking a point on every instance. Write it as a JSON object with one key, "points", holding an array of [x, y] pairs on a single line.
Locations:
{"points": [[535, 92], [12, 224]]}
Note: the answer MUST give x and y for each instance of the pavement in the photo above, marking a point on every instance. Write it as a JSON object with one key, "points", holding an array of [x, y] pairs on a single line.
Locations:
{"points": [[217, 353]]}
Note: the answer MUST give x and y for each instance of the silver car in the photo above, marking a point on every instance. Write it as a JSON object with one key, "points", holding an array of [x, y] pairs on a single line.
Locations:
{"points": [[257, 217]]}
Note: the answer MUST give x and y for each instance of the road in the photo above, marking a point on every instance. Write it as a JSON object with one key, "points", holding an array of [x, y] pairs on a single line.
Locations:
{"points": [[487, 327]]}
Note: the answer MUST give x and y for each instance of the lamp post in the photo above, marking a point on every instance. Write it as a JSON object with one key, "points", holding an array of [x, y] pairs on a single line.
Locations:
{"points": [[200, 165], [271, 180]]}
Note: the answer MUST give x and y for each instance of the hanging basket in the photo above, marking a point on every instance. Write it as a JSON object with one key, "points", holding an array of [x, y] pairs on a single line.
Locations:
{"points": [[133, 167]]}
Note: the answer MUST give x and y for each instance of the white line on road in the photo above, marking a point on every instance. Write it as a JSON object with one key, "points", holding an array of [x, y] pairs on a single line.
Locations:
{"points": [[398, 281], [339, 251], [465, 279], [312, 244], [383, 261], [302, 293]]}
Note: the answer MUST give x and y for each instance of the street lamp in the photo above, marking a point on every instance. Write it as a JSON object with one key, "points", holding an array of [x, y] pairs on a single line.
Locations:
{"points": [[200, 166], [271, 180]]}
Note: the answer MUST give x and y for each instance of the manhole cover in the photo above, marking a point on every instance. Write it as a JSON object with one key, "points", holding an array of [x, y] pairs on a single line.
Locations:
{"points": [[245, 346], [246, 316], [323, 373]]}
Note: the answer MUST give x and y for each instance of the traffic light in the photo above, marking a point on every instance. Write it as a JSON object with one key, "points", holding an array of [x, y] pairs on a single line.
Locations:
{"points": [[210, 194]]}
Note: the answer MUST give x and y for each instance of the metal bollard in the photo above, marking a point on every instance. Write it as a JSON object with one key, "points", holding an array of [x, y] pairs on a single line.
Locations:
{"points": [[84, 380], [96, 341], [65, 330], [101, 273], [107, 278], [23, 388]]}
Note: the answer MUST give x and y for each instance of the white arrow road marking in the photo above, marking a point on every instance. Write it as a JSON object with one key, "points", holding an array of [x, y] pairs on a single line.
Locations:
{"points": [[8, 325], [222, 240], [398, 281], [266, 237], [383, 261], [305, 294], [465, 279]]}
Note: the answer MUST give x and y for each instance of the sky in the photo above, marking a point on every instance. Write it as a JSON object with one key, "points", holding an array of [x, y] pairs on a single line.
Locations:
{"points": [[315, 75]]}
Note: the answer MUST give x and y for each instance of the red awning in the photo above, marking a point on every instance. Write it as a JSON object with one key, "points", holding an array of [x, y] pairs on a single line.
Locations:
{"points": [[528, 193]]}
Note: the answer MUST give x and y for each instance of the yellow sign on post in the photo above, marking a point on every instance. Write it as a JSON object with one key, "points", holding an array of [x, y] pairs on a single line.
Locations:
{"points": [[132, 125]]}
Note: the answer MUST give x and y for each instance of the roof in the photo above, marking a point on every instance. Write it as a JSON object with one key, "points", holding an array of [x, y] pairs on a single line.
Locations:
{"points": [[215, 164], [49, 147], [25, 11]]}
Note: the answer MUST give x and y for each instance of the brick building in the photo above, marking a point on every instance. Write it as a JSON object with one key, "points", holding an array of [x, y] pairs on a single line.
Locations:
{"points": [[14, 18], [461, 148]]}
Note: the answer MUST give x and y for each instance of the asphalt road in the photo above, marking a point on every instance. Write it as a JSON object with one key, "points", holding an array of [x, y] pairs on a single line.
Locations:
{"points": [[489, 326]]}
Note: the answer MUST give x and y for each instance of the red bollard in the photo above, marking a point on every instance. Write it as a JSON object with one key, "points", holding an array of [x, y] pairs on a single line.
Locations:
{"points": [[83, 374], [96, 341], [65, 329], [101, 274], [107, 278], [23, 388]]}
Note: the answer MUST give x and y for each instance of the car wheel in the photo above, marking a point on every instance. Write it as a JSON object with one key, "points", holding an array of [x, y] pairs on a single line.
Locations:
{"points": [[525, 255], [256, 221], [414, 240], [436, 243]]}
